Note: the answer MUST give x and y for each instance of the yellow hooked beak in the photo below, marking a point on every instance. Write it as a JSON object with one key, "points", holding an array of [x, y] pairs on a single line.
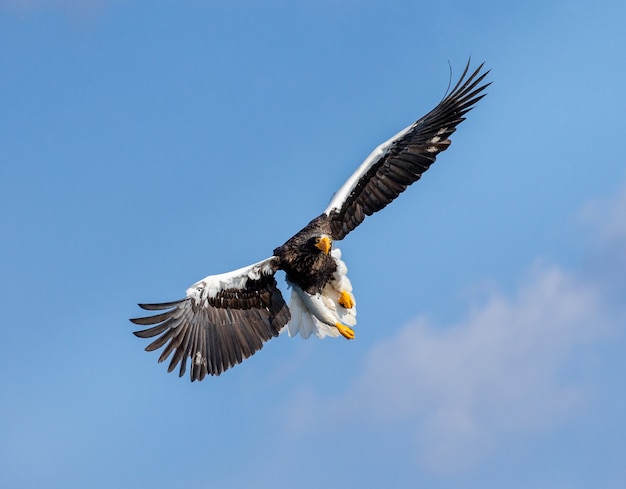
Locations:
{"points": [[323, 244]]}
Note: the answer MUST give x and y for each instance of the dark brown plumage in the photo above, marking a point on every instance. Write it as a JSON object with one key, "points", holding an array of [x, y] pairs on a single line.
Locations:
{"points": [[304, 264]]}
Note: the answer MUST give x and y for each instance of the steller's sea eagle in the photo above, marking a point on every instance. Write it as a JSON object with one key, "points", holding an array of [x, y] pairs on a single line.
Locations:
{"points": [[226, 318]]}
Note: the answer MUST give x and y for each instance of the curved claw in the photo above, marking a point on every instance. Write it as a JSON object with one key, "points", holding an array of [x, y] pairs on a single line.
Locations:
{"points": [[346, 332], [346, 299]]}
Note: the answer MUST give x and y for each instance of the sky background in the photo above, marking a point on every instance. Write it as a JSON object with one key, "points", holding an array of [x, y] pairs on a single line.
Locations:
{"points": [[145, 146]]}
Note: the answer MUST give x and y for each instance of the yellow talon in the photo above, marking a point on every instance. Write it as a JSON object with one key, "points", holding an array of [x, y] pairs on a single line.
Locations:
{"points": [[345, 331], [346, 299]]}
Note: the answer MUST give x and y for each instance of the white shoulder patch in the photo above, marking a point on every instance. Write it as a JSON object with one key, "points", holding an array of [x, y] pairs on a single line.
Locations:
{"points": [[237, 279], [346, 189]]}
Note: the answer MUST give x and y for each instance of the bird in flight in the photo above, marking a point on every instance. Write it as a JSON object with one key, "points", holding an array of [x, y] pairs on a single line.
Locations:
{"points": [[226, 318]]}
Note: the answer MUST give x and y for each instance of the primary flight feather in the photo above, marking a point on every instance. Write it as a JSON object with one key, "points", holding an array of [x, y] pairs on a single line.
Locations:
{"points": [[226, 318]]}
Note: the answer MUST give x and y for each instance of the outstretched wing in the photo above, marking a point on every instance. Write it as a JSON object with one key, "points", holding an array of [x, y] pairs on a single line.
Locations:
{"points": [[223, 320], [400, 161]]}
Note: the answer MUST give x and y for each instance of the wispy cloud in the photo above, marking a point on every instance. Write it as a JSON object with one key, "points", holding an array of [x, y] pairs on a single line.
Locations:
{"points": [[606, 264], [496, 371], [606, 217], [503, 370]]}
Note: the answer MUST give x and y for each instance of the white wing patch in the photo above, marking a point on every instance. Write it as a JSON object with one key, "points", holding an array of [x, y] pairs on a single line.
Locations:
{"points": [[237, 279], [346, 189], [317, 314]]}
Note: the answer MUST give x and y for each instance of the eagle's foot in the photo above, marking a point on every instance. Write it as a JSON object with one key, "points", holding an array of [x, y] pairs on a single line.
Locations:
{"points": [[345, 331], [346, 299]]}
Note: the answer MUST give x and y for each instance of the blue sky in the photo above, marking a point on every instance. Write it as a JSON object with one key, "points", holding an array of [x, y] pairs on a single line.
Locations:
{"points": [[144, 147]]}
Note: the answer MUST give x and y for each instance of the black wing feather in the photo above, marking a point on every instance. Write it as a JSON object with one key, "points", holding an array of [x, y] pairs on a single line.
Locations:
{"points": [[409, 156], [219, 332]]}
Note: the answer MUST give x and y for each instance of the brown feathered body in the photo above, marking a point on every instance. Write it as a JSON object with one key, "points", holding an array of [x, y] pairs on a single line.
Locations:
{"points": [[303, 263]]}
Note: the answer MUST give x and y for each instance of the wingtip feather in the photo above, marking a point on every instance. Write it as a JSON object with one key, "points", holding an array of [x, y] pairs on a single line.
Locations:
{"points": [[160, 306]]}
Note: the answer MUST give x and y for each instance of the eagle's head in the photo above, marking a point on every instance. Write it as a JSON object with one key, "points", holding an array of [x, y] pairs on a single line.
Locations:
{"points": [[321, 243]]}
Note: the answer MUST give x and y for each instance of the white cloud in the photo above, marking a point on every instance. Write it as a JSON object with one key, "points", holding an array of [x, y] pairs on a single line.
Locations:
{"points": [[498, 371], [606, 264], [505, 370], [607, 217]]}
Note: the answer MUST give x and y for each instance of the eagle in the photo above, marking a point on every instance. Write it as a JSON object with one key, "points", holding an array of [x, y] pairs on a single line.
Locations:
{"points": [[227, 318]]}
